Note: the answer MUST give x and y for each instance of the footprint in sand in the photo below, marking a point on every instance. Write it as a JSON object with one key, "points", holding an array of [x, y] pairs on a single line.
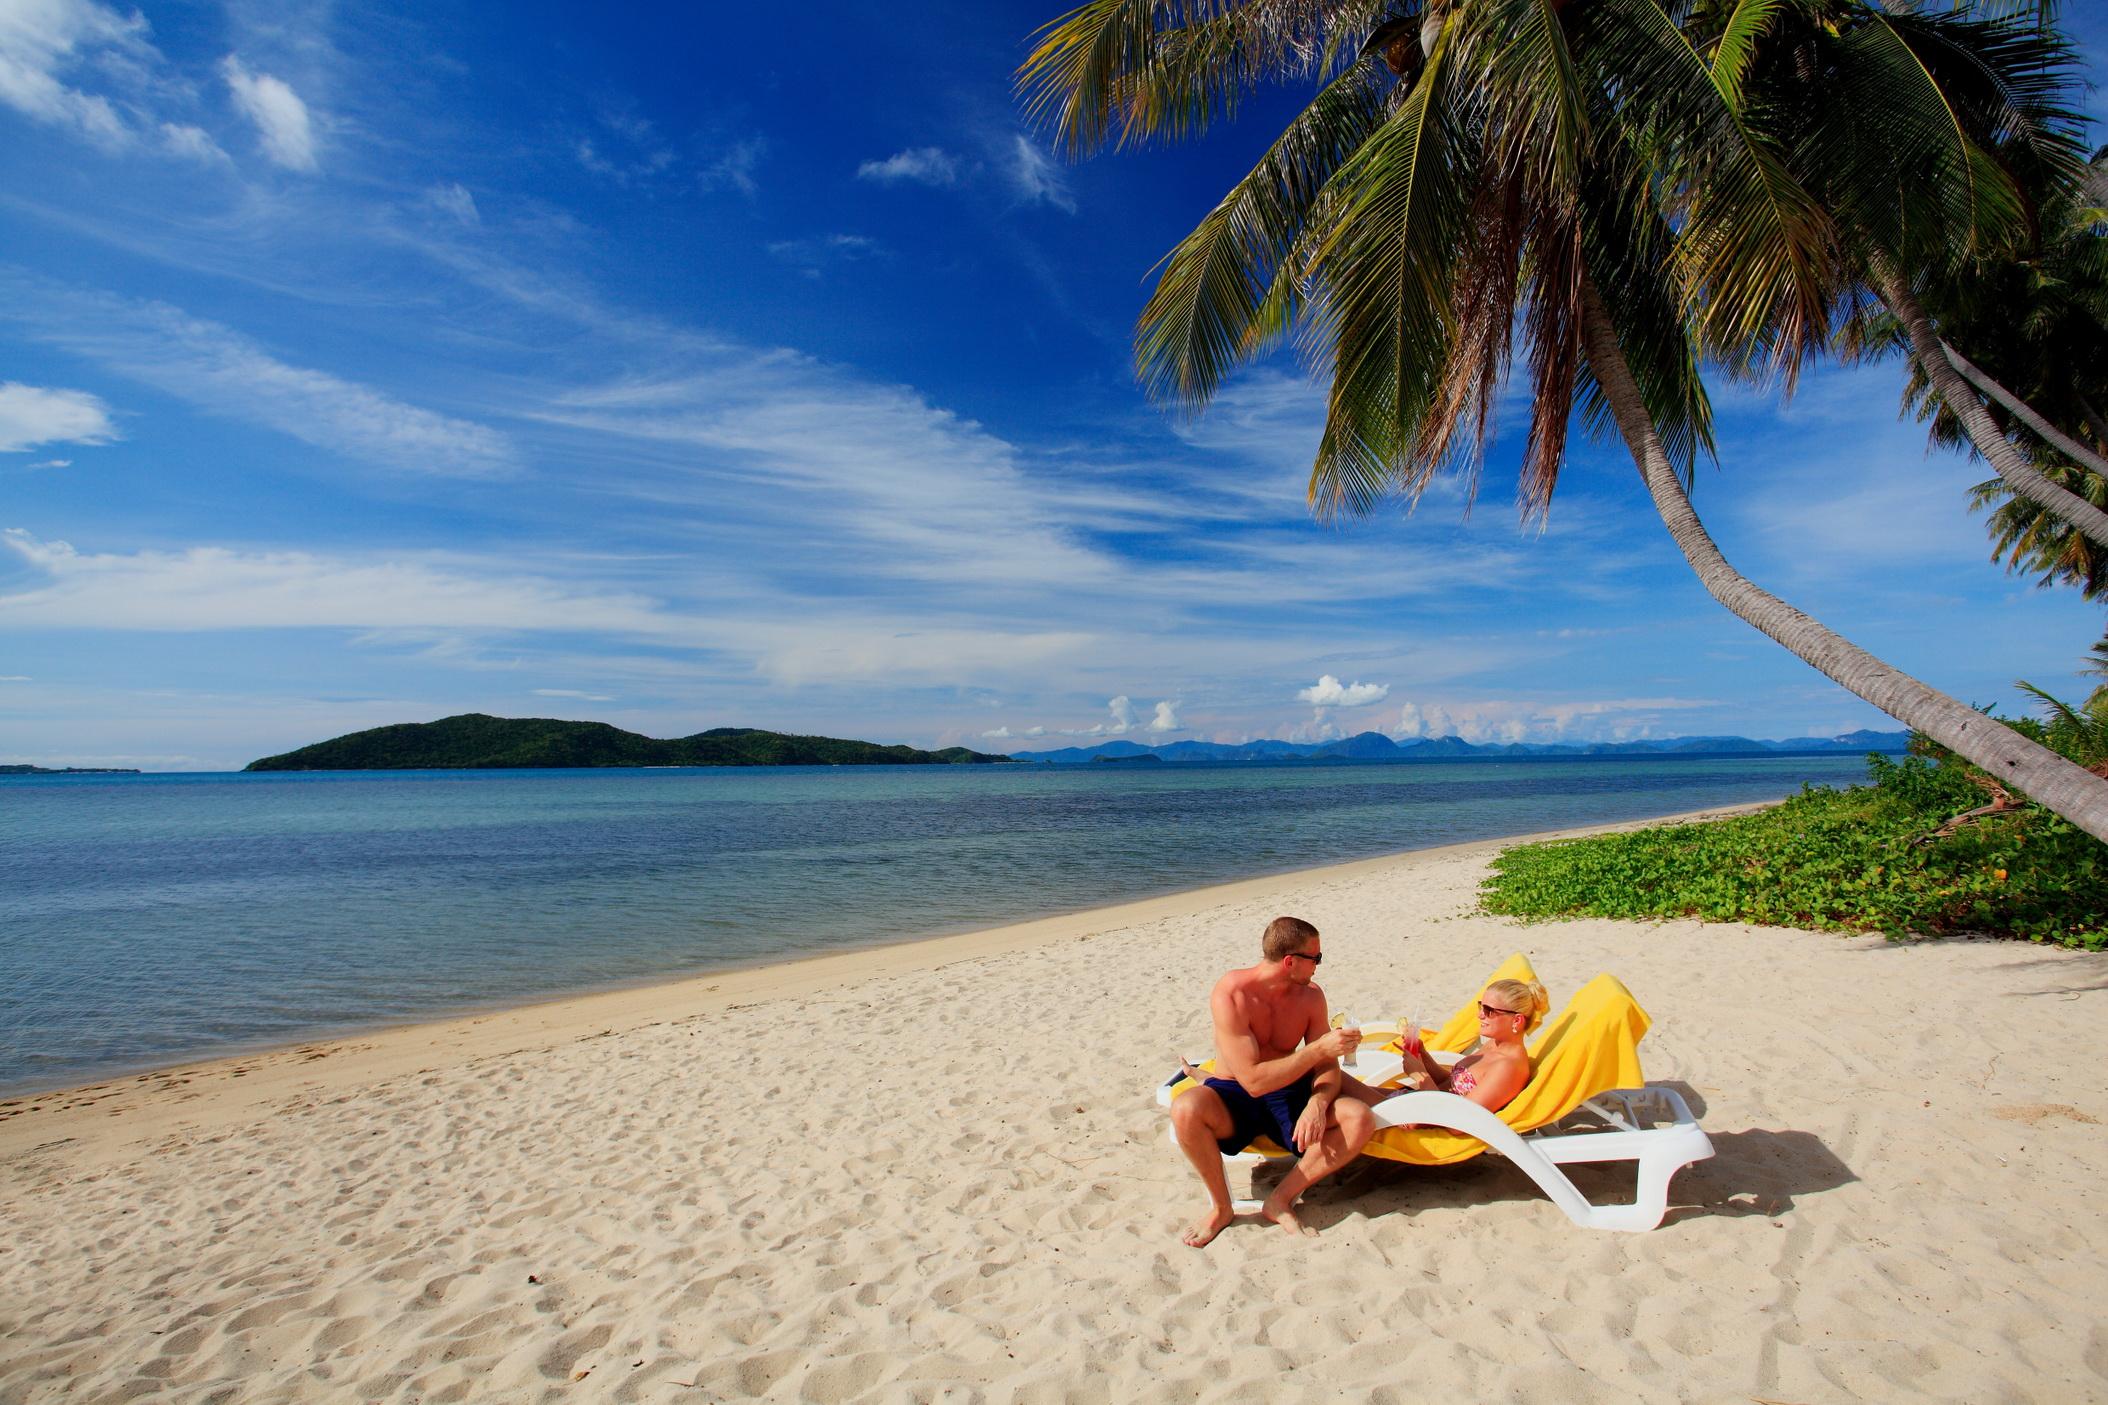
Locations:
{"points": [[2035, 1114]]}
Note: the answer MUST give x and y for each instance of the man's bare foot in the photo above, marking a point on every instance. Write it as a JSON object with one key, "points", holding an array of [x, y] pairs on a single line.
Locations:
{"points": [[1285, 1216], [1198, 1075], [1208, 1226]]}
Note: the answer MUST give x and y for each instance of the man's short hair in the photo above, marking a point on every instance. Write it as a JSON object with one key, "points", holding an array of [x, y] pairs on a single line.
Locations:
{"points": [[1284, 935]]}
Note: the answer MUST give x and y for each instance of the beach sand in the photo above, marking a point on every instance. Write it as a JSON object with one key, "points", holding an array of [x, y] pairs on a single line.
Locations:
{"points": [[936, 1172]]}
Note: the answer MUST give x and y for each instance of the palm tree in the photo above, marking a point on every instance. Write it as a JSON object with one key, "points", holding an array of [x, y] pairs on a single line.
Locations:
{"points": [[2038, 323], [1974, 148], [1573, 169]]}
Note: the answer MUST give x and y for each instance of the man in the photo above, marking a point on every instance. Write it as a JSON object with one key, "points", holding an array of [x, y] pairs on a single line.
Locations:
{"points": [[1272, 1087]]}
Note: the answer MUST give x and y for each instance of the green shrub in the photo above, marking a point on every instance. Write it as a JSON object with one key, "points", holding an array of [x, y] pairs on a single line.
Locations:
{"points": [[1838, 860]]}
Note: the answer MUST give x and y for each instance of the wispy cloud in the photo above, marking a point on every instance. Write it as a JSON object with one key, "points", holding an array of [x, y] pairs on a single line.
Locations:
{"points": [[31, 415], [454, 199], [207, 588], [215, 366], [1035, 177], [733, 166], [813, 255], [920, 165], [571, 693], [280, 117], [41, 40]]}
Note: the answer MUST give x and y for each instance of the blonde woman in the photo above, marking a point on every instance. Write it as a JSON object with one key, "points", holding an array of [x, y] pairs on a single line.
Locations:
{"points": [[1493, 1073]]}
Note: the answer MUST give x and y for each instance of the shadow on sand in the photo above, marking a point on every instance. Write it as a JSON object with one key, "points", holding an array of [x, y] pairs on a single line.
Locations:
{"points": [[1756, 1172]]}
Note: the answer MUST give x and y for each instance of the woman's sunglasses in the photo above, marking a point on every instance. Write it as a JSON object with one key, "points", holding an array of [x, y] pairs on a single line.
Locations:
{"points": [[1487, 1012]]}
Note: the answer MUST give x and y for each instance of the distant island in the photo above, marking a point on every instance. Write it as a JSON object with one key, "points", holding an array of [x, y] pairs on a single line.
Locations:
{"points": [[475, 741], [69, 770], [1375, 746]]}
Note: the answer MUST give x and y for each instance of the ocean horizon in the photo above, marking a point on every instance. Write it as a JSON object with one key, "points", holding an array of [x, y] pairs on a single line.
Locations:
{"points": [[160, 918]]}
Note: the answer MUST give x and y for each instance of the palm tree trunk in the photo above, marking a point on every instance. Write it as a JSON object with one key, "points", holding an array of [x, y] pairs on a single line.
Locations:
{"points": [[2020, 475], [2008, 757], [2020, 410]]}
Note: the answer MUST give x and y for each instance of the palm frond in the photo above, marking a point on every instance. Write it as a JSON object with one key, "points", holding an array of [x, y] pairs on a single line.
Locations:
{"points": [[1229, 288], [1143, 70], [1383, 273], [1755, 250]]}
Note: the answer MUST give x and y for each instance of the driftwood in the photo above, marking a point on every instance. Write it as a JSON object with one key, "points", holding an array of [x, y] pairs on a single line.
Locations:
{"points": [[2002, 802]]}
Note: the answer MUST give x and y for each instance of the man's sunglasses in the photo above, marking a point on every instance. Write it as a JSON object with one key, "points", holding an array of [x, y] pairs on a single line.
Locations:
{"points": [[1487, 1012], [1317, 959]]}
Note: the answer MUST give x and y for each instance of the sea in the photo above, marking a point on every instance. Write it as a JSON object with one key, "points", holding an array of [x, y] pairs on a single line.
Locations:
{"points": [[153, 919]]}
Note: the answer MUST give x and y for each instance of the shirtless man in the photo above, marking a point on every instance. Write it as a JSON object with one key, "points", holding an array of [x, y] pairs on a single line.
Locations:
{"points": [[1274, 1088]]}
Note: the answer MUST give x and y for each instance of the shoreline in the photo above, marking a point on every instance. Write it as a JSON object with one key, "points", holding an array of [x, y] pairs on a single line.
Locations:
{"points": [[226, 1089]]}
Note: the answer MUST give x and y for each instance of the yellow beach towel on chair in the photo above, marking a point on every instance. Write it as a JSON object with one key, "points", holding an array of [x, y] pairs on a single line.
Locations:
{"points": [[1590, 1047]]}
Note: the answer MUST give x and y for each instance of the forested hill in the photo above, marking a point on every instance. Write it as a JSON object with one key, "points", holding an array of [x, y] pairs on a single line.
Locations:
{"points": [[474, 741]]}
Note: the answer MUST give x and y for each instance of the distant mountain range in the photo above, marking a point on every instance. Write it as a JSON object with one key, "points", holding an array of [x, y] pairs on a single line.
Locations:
{"points": [[69, 770], [475, 741], [1375, 746]]}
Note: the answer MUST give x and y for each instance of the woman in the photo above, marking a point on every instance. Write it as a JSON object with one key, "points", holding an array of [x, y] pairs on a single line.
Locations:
{"points": [[1493, 1073]]}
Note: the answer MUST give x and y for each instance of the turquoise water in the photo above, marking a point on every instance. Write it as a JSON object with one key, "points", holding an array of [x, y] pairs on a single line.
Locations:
{"points": [[150, 919]]}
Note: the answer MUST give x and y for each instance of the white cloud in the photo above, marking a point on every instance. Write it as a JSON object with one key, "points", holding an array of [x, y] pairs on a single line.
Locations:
{"points": [[1329, 692], [571, 693], [1004, 733], [53, 463], [1122, 719], [1510, 720], [1035, 177], [32, 415], [14, 678], [205, 588], [183, 139], [40, 40], [454, 199], [280, 116], [218, 368], [925, 165]]}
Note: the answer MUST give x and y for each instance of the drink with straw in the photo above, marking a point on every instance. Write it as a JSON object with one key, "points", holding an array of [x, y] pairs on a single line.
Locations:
{"points": [[1409, 1036]]}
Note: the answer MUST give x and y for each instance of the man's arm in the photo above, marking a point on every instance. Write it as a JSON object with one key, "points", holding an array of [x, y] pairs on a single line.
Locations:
{"points": [[1238, 1051], [1324, 1089]]}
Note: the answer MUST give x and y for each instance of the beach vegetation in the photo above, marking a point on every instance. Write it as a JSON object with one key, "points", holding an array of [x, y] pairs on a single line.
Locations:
{"points": [[1914, 852], [1630, 188]]}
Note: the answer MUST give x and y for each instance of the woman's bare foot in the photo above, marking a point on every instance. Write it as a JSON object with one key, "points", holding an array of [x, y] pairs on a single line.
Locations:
{"points": [[1208, 1226]]}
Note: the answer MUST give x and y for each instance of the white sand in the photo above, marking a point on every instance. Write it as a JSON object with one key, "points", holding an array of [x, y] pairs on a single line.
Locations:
{"points": [[675, 1194]]}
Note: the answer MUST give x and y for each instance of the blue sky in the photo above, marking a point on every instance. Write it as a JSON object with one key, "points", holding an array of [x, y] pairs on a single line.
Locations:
{"points": [[370, 365]]}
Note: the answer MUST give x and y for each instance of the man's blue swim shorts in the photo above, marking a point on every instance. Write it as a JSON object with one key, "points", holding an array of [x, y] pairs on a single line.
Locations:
{"points": [[1271, 1116]]}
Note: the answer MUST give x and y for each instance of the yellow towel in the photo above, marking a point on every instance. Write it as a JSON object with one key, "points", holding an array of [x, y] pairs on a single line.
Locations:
{"points": [[1588, 1048]]}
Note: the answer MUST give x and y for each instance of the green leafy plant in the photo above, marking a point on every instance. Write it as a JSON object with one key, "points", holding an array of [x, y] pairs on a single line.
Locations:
{"points": [[1868, 858]]}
